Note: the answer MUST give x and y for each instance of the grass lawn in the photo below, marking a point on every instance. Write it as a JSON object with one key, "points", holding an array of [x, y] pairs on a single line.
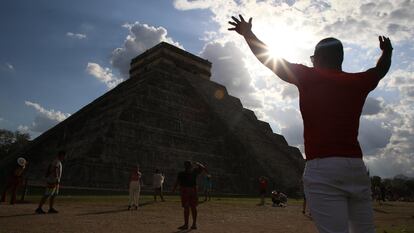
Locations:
{"points": [[223, 214]]}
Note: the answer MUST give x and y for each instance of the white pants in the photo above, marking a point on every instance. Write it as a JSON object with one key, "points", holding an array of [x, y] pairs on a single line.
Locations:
{"points": [[134, 190], [339, 195]]}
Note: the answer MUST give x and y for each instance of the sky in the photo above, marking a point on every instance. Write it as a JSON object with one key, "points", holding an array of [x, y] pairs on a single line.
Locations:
{"points": [[58, 56]]}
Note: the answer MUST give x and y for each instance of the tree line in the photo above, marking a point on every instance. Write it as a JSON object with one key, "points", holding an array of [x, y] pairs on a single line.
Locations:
{"points": [[399, 188], [12, 142]]}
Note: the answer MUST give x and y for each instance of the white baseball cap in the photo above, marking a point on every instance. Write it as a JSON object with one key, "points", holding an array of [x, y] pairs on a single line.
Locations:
{"points": [[21, 161]]}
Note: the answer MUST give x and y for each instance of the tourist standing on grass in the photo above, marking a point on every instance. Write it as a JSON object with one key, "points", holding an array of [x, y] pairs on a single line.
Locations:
{"points": [[53, 176], [187, 180], [14, 180], [208, 186], [263, 183], [157, 182], [134, 187], [336, 182]]}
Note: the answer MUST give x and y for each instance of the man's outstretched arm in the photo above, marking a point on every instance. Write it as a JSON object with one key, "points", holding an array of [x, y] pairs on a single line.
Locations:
{"points": [[279, 66], [201, 167], [384, 62]]}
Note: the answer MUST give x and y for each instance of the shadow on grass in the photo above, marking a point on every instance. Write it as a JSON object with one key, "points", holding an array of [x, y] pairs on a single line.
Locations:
{"points": [[146, 203], [182, 231], [104, 212], [115, 211], [17, 215], [381, 211]]}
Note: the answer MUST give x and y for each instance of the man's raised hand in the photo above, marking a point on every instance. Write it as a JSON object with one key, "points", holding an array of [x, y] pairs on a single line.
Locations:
{"points": [[241, 26], [385, 43]]}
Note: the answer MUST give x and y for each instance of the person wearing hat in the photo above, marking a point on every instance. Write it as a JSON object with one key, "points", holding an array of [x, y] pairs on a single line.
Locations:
{"points": [[335, 179], [187, 180], [14, 180]]}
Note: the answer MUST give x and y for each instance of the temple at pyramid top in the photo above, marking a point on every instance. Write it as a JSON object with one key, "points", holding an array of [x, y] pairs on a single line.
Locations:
{"points": [[165, 54]]}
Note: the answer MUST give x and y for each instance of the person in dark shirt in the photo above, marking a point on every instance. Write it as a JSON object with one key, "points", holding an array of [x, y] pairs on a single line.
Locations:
{"points": [[14, 180], [187, 180]]}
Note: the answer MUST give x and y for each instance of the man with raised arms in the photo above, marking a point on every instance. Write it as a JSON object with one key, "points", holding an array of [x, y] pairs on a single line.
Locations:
{"points": [[336, 182]]}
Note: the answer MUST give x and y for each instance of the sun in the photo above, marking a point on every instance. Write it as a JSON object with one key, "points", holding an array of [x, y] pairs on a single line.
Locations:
{"points": [[277, 50], [285, 42]]}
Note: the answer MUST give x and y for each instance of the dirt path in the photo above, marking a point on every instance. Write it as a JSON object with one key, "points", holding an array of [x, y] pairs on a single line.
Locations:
{"points": [[217, 216]]}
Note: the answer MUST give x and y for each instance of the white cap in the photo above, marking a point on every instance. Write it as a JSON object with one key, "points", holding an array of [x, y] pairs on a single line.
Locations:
{"points": [[21, 161]]}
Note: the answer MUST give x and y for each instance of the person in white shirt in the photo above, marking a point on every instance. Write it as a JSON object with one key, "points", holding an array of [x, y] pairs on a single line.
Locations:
{"points": [[158, 180], [135, 183], [53, 176]]}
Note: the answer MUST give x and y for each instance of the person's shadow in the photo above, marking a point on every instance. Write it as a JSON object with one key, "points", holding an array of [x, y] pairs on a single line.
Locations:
{"points": [[17, 215], [115, 211], [183, 231]]}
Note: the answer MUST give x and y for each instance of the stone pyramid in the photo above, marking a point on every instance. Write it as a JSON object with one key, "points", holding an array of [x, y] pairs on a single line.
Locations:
{"points": [[167, 112]]}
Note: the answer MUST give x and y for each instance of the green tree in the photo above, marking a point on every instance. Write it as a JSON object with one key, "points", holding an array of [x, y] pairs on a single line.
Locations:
{"points": [[11, 142], [376, 181], [410, 187]]}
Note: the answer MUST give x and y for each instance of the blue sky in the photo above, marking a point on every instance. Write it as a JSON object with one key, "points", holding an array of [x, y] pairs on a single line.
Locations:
{"points": [[57, 56], [49, 66]]}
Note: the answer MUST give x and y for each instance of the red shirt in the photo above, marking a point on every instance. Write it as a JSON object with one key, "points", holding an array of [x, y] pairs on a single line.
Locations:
{"points": [[135, 175], [331, 103], [263, 184]]}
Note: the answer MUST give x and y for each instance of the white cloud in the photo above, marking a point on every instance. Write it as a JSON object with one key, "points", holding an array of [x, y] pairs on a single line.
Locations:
{"points": [[399, 79], [290, 123], [45, 118], [190, 5], [372, 106], [78, 36], [7, 66], [141, 37], [391, 164], [290, 92], [397, 157], [50, 114], [23, 129], [228, 69], [209, 36], [352, 21], [373, 135], [389, 134], [104, 75]]}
